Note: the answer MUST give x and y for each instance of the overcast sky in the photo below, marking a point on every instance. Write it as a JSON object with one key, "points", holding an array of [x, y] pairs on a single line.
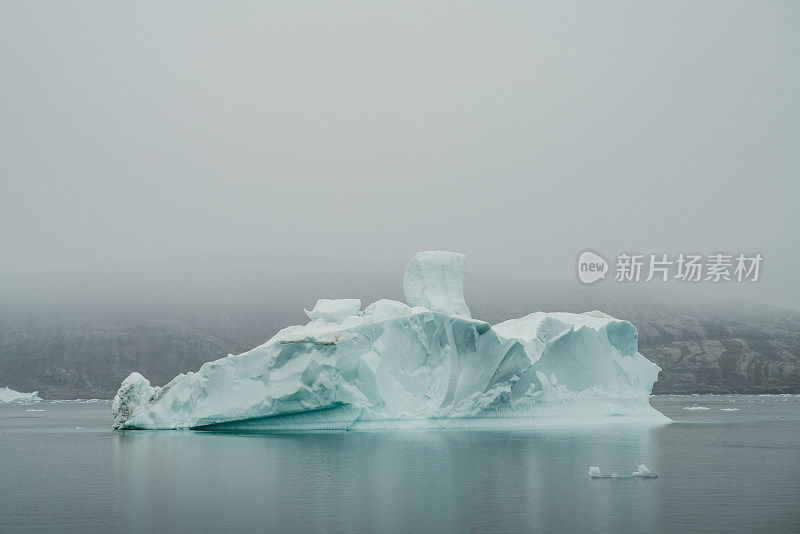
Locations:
{"points": [[518, 133]]}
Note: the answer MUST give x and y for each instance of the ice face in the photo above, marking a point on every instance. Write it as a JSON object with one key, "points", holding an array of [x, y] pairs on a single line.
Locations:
{"points": [[133, 395], [395, 365], [435, 280], [405, 367], [567, 345]]}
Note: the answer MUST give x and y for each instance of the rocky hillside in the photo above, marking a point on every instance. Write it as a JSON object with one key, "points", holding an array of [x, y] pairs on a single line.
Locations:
{"points": [[69, 349]]}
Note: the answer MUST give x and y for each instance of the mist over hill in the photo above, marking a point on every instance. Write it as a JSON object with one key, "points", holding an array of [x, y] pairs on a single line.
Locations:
{"points": [[79, 334]]}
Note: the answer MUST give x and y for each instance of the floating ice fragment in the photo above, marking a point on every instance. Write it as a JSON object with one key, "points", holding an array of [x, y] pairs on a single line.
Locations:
{"points": [[729, 409], [695, 408], [594, 472], [641, 472]]}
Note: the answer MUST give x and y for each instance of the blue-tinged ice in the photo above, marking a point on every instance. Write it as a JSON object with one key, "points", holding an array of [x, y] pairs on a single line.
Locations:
{"points": [[435, 280], [424, 363]]}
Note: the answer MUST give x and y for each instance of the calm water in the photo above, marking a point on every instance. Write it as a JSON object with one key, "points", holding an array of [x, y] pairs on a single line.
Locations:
{"points": [[64, 470]]}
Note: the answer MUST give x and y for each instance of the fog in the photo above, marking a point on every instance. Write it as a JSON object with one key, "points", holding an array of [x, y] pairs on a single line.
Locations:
{"points": [[152, 140]]}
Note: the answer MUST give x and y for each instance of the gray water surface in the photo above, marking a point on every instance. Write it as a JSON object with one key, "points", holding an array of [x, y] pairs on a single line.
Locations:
{"points": [[65, 470]]}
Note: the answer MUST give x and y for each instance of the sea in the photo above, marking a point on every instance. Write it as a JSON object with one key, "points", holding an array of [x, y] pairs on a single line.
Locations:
{"points": [[728, 463]]}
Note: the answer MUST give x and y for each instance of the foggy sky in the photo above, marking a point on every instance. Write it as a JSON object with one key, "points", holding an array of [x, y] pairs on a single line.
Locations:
{"points": [[518, 133]]}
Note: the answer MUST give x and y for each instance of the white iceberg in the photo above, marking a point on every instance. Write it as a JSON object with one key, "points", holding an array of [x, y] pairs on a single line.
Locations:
{"points": [[425, 363], [9, 395], [643, 472], [594, 472]]}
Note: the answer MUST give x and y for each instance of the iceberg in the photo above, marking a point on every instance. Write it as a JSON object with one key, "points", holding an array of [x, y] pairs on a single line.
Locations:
{"points": [[8, 395], [643, 472], [424, 363]]}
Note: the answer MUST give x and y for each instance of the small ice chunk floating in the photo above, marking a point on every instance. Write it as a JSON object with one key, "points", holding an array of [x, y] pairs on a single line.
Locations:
{"points": [[641, 472], [424, 363]]}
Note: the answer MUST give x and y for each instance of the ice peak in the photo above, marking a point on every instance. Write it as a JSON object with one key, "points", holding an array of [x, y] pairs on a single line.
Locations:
{"points": [[335, 310], [435, 280]]}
